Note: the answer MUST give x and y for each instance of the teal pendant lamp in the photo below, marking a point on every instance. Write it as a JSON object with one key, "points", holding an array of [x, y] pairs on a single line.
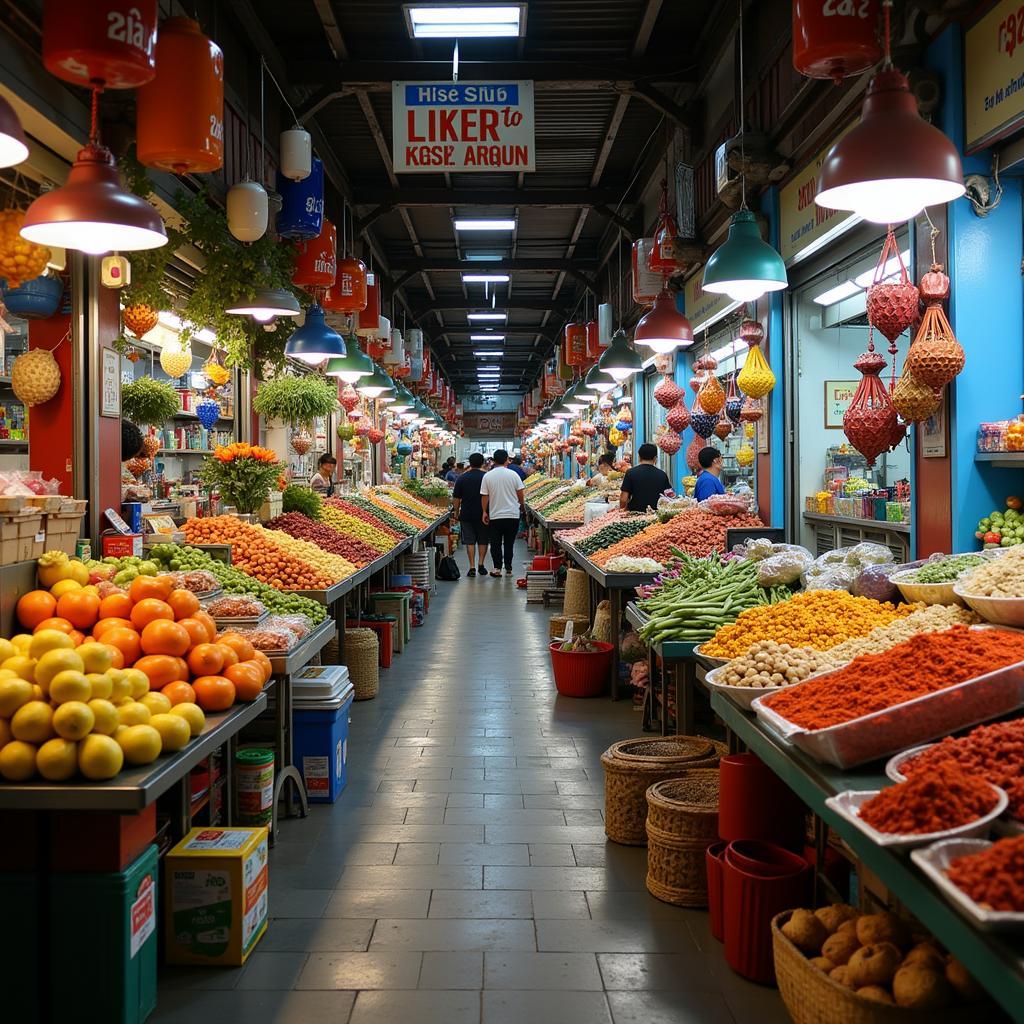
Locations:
{"points": [[598, 381], [620, 360], [375, 385], [744, 266], [314, 341], [352, 367]]}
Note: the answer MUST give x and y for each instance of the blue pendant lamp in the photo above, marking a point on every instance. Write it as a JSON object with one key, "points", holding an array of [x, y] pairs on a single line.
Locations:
{"points": [[314, 341]]}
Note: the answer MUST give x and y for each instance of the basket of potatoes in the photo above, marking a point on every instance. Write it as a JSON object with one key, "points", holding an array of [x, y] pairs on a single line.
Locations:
{"points": [[835, 965]]}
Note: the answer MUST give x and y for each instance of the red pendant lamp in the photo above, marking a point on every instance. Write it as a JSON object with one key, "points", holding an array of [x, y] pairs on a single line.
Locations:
{"points": [[13, 147], [663, 328]]}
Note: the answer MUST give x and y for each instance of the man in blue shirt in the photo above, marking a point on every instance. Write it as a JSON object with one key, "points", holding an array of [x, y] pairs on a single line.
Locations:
{"points": [[455, 472], [516, 465], [710, 460]]}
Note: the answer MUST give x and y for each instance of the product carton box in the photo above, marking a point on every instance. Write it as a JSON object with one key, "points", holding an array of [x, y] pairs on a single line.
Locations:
{"points": [[116, 545], [215, 896], [21, 537]]}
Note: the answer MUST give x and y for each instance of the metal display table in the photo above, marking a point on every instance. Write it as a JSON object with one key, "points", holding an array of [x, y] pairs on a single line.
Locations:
{"points": [[996, 962], [429, 529]]}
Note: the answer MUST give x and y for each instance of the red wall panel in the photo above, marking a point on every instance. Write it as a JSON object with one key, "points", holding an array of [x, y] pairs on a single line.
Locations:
{"points": [[51, 426]]}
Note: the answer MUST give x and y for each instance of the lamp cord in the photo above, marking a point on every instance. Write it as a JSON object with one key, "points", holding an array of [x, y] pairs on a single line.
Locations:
{"points": [[886, 12], [263, 61], [742, 111], [94, 115]]}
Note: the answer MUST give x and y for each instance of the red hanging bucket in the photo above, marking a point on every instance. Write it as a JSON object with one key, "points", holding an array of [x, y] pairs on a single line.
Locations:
{"points": [[581, 673], [713, 857]]}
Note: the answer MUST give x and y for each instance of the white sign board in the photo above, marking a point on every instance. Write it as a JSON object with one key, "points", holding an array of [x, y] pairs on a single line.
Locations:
{"points": [[462, 126]]}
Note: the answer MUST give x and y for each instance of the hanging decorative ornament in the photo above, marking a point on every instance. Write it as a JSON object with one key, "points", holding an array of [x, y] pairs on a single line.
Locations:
{"points": [[935, 356], [752, 410], [138, 465], [296, 151], [35, 377], [891, 305], [374, 436], [745, 456], [707, 361], [139, 318], [20, 259], [695, 382], [869, 421], [208, 412], [588, 429], [668, 392], [363, 427], [695, 448], [582, 458], [316, 259], [346, 431], [669, 442], [216, 372], [711, 395], [913, 400], [248, 210], [723, 429], [150, 444], [301, 442], [733, 400], [703, 423], [756, 378], [835, 40], [355, 415], [678, 418], [175, 358], [349, 398], [749, 430], [662, 257]]}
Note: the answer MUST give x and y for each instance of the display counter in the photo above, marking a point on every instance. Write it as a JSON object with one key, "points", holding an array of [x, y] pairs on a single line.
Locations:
{"points": [[832, 532]]}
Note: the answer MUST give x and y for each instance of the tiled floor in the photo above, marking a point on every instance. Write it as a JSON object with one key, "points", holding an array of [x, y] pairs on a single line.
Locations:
{"points": [[463, 877]]}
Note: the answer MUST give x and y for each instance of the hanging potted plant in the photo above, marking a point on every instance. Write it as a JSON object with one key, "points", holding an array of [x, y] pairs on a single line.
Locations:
{"points": [[296, 400], [149, 402], [243, 473]]}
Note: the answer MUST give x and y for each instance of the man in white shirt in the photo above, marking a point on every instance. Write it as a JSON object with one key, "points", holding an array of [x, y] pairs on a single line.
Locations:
{"points": [[501, 494]]}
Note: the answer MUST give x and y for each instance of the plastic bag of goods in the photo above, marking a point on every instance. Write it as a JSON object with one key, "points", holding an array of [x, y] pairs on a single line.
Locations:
{"points": [[867, 553], [836, 577], [784, 567], [593, 509], [671, 505], [725, 504]]}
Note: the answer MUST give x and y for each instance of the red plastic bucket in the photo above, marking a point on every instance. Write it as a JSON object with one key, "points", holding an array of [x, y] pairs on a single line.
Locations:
{"points": [[754, 803], [581, 673], [546, 563], [713, 859], [759, 880]]}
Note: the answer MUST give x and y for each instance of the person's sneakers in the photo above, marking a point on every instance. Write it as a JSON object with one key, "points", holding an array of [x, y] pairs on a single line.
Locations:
{"points": [[508, 572], [472, 572], [495, 573]]}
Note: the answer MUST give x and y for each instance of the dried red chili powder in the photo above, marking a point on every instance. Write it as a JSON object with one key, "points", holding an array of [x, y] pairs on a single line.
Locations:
{"points": [[874, 682], [993, 752], [942, 799], [993, 877]]}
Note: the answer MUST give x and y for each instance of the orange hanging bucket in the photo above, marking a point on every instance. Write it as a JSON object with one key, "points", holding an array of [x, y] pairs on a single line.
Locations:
{"points": [[348, 294], [316, 260]]}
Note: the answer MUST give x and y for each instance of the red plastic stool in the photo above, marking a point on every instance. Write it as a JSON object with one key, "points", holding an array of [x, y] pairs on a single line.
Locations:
{"points": [[384, 638]]}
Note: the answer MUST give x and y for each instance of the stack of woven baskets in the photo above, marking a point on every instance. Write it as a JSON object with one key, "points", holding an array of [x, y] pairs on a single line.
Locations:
{"points": [[556, 627], [361, 656], [577, 593], [602, 629]]}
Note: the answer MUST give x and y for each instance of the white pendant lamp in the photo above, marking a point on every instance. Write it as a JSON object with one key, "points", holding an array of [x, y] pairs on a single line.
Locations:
{"points": [[248, 210], [13, 147], [296, 153]]}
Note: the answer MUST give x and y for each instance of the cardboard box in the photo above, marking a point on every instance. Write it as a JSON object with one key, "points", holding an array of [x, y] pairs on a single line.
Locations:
{"points": [[62, 531], [22, 537], [215, 896], [116, 545]]}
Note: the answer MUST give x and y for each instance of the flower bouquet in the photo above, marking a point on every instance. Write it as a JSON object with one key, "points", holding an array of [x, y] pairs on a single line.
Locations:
{"points": [[243, 473]]}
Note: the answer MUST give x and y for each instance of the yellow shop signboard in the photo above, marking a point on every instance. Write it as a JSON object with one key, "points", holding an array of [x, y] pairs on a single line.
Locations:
{"points": [[994, 75]]}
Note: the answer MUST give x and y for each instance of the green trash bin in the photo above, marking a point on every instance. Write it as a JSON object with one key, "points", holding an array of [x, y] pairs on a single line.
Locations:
{"points": [[19, 944], [103, 943]]}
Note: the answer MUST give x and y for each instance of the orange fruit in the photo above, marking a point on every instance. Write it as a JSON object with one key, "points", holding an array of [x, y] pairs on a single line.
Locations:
{"points": [[150, 609], [230, 654], [179, 692], [183, 672], [264, 662], [184, 603], [116, 606], [248, 679], [117, 657], [151, 587], [163, 637], [196, 630], [80, 608], [214, 693], [207, 620], [55, 623], [34, 607], [239, 645], [78, 636], [110, 623], [206, 659], [126, 640], [160, 669]]}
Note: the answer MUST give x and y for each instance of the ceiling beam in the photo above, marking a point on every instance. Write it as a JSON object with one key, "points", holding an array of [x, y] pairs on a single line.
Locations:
{"points": [[548, 198], [325, 9], [521, 305], [528, 264]]}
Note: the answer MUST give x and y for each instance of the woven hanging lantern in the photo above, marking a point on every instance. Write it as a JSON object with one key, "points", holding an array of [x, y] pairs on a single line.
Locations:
{"points": [[756, 378], [706, 362], [216, 372], [175, 359], [733, 400], [752, 410], [694, 449], [723, 429], [678, 418], [711, 395], [703, 423], [935, 356], [669, 442], [150, 444], [301, 442], [20, 259], [745, 456], [582, 458], [138, 465], [208, 412], [346, 431], [668, 392], [695, 382], [870, 421], [139, 318], [349, 397], [913, 400], [363, 427], [662, 258], [891, 305], [375, 436], [588, 429]]}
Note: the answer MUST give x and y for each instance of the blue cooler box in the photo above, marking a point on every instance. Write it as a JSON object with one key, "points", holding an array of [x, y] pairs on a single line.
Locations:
{"points": [[322, 702]]}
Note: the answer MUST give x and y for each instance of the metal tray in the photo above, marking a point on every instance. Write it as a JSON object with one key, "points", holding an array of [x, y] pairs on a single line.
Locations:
{"points": [[913, 722], [847, 805], [743, 696], [245, 621], [717, 662], [935, 859]]}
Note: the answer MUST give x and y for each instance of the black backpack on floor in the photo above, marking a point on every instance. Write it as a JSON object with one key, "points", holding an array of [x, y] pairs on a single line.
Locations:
{"points": [[448, 569]]}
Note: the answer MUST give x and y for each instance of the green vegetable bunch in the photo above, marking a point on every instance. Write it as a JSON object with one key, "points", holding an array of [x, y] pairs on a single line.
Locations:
{"points": [[613, 533], [149, 402], [302, 499]]}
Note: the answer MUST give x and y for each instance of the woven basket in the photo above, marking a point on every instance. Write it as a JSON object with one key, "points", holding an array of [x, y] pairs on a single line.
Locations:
{"points": [[331, 652], [577, 593], [602, 628], [812, 997], [361, 657], [556, 627], [632, 766]]}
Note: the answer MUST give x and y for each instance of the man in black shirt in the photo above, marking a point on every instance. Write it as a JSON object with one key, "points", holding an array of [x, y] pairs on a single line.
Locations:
{"points": [[644, 484], [469, 511]]}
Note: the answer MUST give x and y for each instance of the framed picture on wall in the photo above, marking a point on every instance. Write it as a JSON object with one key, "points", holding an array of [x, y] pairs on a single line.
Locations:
{"points": [[762, 431], [838, 396], [933, 434], [110, 383]]}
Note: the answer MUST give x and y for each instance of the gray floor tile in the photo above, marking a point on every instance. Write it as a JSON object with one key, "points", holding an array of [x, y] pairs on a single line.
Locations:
{"points": [[463, 799], [526, 971], [485, 853], [436, 833], [613, 936], [298, 902], [452, 971], [557, 878], [358, 971], [554, 905], [669, 1008], [544, 834], [443, 876], [632, 972], [502, 816], [617, 906], [177, 1007], [310, 935], [501, 801], [267, 970], [424, 816], [447, 903], [454, 935], [422, 1007], [374, 903], [417, 853], [362, 853], [551, 855], [545, 1008]]}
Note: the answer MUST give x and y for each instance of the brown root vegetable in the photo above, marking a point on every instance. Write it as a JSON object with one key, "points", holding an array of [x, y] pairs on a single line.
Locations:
{"points": [[874, 965], [884, 927], [840, 947], [877, 994], [927, 954], [842, 975], [920, 988], [822, 963], [835, 915], [963, 982], [805, 931]]}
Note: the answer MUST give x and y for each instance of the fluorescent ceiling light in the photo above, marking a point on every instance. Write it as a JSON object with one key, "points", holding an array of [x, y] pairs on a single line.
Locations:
{"points": [[838, 293], [489, 352], [431, 21], [892, 268], [481, 257], [487, 316], [485, 278], [484, 224], [487, 337]]}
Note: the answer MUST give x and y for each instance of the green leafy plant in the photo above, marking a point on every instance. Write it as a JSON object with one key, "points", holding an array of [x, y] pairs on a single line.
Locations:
{"points": [[425, 490], [244, 478], [296, 399], [149, 402], [301, 499]]}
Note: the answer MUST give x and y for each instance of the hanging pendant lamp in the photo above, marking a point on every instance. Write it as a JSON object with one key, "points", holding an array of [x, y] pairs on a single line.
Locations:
{"points": [[352, 367], [598, 380], [314, 341], [744, 266], [572, 401], [620, 359], [375, 385], [892, 164], [13, 147], [266, 303], [662, 328]]}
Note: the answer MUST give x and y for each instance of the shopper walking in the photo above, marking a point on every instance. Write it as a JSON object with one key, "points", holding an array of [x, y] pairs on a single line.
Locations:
{"points": [[501, 494], [516, 465], [470, 514], [643, 485]]}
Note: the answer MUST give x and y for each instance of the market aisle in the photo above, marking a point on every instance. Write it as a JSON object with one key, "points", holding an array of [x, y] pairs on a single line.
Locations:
{"points": [[464, 875]]}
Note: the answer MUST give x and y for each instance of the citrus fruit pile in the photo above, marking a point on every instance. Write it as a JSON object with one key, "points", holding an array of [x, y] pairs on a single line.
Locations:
{"points": [[95, 683]]}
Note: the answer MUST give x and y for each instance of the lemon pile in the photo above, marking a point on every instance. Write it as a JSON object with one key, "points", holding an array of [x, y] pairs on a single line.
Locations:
{"points": [[66, 711]]}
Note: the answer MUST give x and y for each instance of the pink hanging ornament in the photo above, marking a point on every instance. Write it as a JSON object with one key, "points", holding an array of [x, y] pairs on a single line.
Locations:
{"points": [[669, 442], [891, 305], [870, 423], [696, 446], [668, 392], [724, 429], [678, 418], [349, 397]]}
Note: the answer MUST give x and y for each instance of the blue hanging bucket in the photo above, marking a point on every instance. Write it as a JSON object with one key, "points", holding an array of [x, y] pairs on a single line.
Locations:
{"points": [[34, 300], [302, 204]]}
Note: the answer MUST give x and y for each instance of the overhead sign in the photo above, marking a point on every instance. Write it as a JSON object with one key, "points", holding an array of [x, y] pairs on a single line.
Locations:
{"points": [[801, 221], [462, 126], [501, 423], [994, 75], [703, 308]]}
